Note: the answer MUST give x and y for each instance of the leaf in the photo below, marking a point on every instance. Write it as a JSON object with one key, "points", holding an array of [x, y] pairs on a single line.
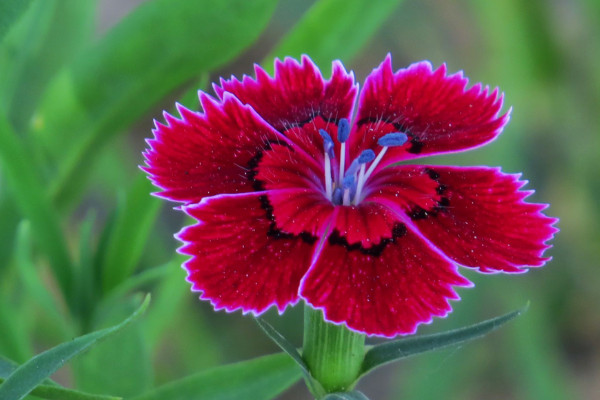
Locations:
{"points": [[353, 395], [392, 351], [280, 340], [169, 295], [10, 11], [29, 375], [6, 367], [261, 378], [51, 33], [85, 272], [60, 393], [30, 196], [97, 372], [130, 232], [32, 283], [154, 50], [334, 29]]}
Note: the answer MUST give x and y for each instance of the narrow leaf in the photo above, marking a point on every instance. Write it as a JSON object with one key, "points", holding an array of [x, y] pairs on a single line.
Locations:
{"points": [[261, 378], [29, 375], [132, 227], [155, 49], [132, 374], [31, 280], [334, 29], [30, 196], [353, 395], [7, 367], [10, 11], [280, 340], [53, 31], [391, 351], [60, 393]]}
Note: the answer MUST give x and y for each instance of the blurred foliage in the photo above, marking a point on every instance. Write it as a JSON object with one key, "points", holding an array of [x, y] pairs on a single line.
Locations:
{"points": [[79, 236]]}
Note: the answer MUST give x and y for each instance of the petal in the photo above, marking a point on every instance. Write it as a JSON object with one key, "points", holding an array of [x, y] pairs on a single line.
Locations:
{"points": [[300, 211], [385, 292], [296, 94], [204, 154], [477, 216], [437, 112], [239, 259]]}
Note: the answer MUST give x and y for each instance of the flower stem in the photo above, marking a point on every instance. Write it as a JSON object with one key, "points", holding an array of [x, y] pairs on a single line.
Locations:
{"points": [[333, 353]]}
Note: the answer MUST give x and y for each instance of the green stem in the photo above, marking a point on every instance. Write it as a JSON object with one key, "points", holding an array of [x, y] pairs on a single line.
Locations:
{"points": [[333, 353]]}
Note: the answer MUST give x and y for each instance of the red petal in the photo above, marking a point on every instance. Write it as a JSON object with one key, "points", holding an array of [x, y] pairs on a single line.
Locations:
{"points": [[480, 218], [296, 94], [239, 260], [300, 211], [436, 111], [207, 154], [386, 292]]}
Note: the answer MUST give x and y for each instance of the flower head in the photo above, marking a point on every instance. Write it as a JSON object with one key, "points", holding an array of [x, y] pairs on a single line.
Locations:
{"points": [[299, 196]]}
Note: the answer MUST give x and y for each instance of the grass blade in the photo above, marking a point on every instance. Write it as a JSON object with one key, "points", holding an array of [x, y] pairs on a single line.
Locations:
{"points": [[30, 196], [391, 351], [29, 375], [334, 29], [261, 378]]}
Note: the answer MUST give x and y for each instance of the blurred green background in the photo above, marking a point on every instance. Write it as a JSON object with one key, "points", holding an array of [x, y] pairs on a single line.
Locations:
{"points": [[81, 81]]}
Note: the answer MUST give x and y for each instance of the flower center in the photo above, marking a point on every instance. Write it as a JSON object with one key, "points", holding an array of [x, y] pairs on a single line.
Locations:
{"points": [[347, 189]]}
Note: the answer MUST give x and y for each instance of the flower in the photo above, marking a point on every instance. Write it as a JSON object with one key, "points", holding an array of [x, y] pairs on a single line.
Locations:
{"points": [[295, 201]]}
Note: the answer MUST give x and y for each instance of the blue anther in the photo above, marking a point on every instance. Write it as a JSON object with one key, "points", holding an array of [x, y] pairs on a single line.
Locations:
{"points": [[343, 130], [366, 156], [393, 139], [338, 196], [352, 168], [348, 181], [327, 142]]}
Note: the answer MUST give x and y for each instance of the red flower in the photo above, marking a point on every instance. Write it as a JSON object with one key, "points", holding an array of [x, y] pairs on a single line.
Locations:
{"points": [[295, 202]]}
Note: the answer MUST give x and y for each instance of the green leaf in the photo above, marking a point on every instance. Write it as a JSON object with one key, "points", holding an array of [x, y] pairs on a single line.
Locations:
{"points": [[97, 372], [280, 340], [353, 395], [60, 393], [29, 375], [334, 29], [51, 33], [169, 295], [130, 232], [10, 11], [6, 367], [154, 50], [32, 283], [31, 198], [261, 378], [392, 351]]}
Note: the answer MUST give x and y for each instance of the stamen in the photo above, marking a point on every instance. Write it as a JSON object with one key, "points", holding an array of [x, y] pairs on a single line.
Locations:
{"points": [[365, 157], [343, 134], [338, 195], [390, 140], [328, 149], [343, 130], [393, 139], [347, 184]]}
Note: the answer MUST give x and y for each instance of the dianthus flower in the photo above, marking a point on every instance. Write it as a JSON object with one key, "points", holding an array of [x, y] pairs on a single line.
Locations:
{"points": [[298, 196]]}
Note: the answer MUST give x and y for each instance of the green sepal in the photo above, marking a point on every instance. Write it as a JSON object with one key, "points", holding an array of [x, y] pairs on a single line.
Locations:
{"points": [[33, 372], [285, 345], [385, 353]]}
